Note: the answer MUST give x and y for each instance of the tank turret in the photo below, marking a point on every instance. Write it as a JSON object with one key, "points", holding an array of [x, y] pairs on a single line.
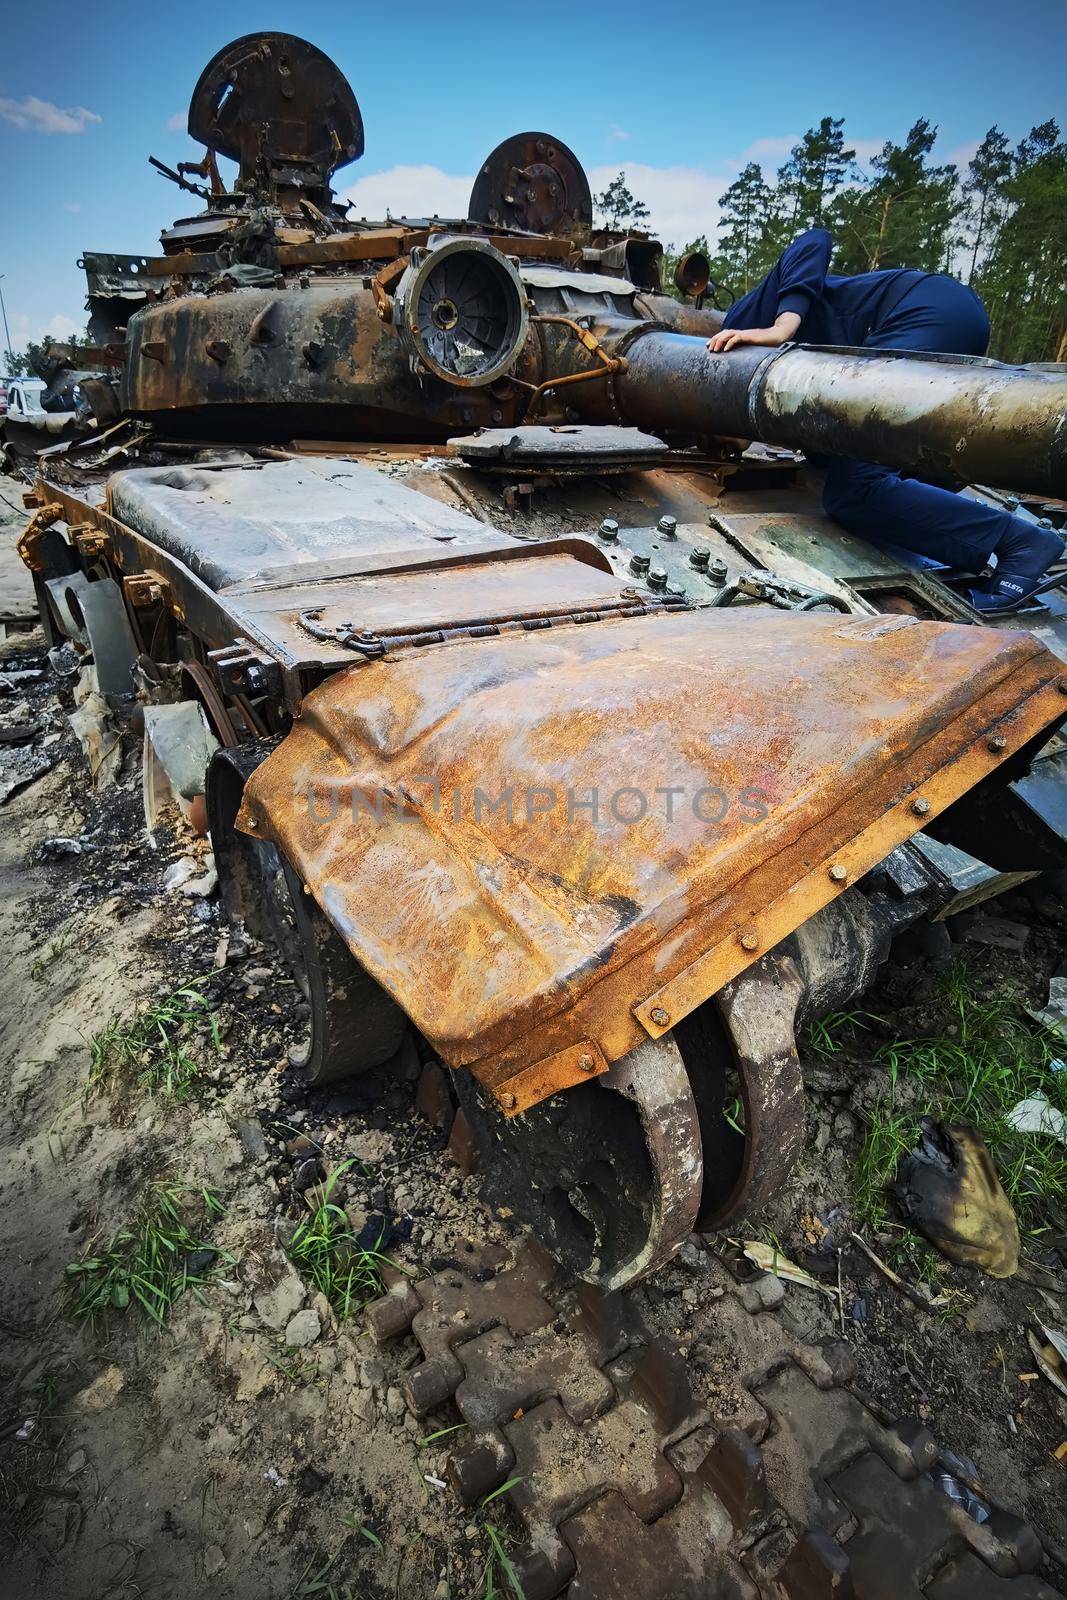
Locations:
{"points": [[275, 312]]}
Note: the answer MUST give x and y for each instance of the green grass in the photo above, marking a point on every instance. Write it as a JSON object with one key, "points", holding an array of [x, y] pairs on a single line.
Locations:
{"points": [[56, 948], [145, 1264], [315, 1582], [354, 1525], [498, 1554], [994, 1057], [828, 1036], [325, 1251], [295, 1371], [154, 1045]]}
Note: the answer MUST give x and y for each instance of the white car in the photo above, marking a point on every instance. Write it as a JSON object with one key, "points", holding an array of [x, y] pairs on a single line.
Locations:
{"points": [[27, 426]]}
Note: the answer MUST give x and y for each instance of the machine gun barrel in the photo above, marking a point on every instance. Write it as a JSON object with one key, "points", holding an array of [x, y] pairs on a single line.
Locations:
{"points": [[942, 415]]}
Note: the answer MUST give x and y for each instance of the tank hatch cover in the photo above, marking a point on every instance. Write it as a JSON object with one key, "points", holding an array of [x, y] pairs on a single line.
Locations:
{"points": [[533, 182], [274, 96]]}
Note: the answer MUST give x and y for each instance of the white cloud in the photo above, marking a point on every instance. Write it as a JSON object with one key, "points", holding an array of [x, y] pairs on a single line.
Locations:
{"points": [[684, 201], [177, 123], [866, 149], [769, 149], [412, 191], [41, 116], [618, 133], [59, 327], [963, 154]]}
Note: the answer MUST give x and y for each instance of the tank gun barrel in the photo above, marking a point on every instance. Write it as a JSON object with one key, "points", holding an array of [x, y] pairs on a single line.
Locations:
{"points": [[983, 421]]}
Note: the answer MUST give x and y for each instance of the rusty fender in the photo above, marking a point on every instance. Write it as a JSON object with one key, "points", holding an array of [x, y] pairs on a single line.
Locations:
{"points": [[539, 946]]}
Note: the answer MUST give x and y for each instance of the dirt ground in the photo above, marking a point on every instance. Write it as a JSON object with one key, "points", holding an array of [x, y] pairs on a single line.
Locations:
{"points": [[213, 1457]]}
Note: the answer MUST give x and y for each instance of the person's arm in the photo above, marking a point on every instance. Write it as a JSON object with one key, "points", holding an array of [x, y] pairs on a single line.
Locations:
{"points": [[801, 278], [781, 331]]}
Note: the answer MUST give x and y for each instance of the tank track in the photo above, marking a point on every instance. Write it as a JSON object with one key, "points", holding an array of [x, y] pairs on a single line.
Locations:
{"points": [[628, 1489]]}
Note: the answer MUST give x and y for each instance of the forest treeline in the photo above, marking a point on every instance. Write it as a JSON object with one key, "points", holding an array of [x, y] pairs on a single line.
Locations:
{"points": [[1000, 224]]}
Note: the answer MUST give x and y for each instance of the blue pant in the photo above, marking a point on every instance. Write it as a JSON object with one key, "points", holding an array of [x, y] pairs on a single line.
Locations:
{"points": [[938, 314]]}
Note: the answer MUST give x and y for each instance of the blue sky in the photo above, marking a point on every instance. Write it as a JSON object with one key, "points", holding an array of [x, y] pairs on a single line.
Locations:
{"points": [[90, 88]]}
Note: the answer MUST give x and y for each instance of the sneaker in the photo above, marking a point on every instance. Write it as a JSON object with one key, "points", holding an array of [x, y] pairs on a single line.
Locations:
{"points": [[1004, 593], [1024, 555]]}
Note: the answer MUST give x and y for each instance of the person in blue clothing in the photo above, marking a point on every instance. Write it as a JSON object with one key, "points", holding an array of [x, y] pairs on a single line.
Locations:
{"points": [[901, 309]]}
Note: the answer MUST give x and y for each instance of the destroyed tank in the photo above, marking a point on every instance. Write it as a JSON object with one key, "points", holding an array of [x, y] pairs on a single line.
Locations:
{"points": [[546, 720]]}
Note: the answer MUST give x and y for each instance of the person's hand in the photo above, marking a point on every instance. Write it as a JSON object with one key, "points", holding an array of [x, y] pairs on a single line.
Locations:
{"points": [[784, 328], [730, 338]]}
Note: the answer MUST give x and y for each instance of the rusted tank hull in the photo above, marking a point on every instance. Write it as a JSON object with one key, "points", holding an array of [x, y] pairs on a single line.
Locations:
{"points": [[547, 848]]}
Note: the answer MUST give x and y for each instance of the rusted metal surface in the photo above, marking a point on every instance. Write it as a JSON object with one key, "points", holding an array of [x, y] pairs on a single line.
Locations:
{"points": [[310, 361], [507, 940], [609, 1175], [461, 309], [624, 1486], [742, 1047], [533, 182], [277, 106], [32, 534]]}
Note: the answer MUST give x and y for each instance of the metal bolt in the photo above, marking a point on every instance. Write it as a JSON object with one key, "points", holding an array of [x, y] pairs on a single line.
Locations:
{"points": [[508, 1101], [668, 526], [750, 940], [587, 1063], [717, 570], [698, 560], [609, 529], [997, 743], [1062, 686], [838, 873], [253, 823], [639, 565], [657, 578], [1044, 522], [1012, 502], [659, 1016], [920, 806]]}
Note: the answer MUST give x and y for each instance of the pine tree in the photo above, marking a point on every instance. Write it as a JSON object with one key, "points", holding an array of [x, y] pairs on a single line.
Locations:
{"points": [[905, 216], [746, 242], [619, 209], [1024, 277], [815, 171], [987, 204]]}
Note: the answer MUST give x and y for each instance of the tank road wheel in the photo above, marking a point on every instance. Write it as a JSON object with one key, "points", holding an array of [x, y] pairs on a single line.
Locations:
{"points": [[606, 1174], [740, 1054], [354, 1024]]}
